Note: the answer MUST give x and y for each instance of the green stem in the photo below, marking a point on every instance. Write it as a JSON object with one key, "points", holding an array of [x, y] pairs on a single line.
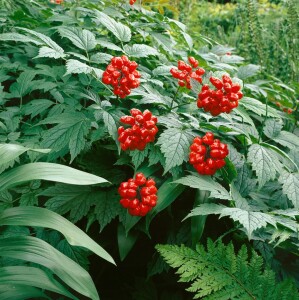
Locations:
{"points": [[174, 97], [264, 121]]}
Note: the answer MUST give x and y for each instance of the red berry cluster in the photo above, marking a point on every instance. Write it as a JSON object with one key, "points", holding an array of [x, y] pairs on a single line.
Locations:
{"points": [[185, 72], [142, 131], [284, 109], [130, 190], [207, 154], [121, 73], [223, 99], [132, 2], [56, 1]]}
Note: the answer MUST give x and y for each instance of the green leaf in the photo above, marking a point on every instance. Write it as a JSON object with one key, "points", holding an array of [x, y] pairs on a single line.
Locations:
{"points": [[74, 66], [109, 45], [272, 128], [33, 277], [250, 220], [83, 39], [263, 163], [111, 120], [23, 85], [48, 41], [39, 252], [46, 171], [37, 106], [17, 37], [9, 152], [290, 186], [120, 31], [140, 50], [287, 139], [49, 52], [70, 199], [70, 132], [162, 71], [138, 157], [205, 183], [167, 193], [175, 145], [248, 71], [125, 241], [20, 292], [258, 107], [41, 217]]}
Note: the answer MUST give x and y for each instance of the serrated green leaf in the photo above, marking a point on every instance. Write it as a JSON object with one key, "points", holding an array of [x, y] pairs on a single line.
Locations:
{"points": [[162, 70], [205, 183], [70, 132], [290, 186], [140, 50], [17, 37], [83, 39], [121, 32], [36, 107], [138, 157], [248, 71], [272, 128], [287, 139], [111, 120], [49, 52], [74, 66], [174, 144], [262, 162], [23, 85], [74, 200], [109, 45]]}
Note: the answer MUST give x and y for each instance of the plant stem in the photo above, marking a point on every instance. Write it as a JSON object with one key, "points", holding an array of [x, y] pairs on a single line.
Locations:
{"points": [[174, 97], [264, 121]]}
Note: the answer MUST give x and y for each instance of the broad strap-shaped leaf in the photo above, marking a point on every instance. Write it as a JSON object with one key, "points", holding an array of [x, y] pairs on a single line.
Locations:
{"points": [[205, 183], [39, 252], [290, 186], [263, 162], [140, 50], [121, 32], [174, 144], [46, 171], [9, 152], [41, 217], [20, 292], [250, 220], [83, 39], [32, 277]]}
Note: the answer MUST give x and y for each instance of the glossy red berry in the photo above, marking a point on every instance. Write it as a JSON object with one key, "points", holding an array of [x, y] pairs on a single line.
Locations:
{"points": [[142, 131], [121, 73], [185, 72], [145, 188], [207, 154]]}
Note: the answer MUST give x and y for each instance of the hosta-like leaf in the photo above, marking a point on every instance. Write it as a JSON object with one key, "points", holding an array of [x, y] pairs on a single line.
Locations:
{"points": [[140, 50], [174, 144], [121, 32], [41, 217], [39, 252], [262, 162], [205, 183], [290, 186], [83, 39], [46, 171], [32, 277]]}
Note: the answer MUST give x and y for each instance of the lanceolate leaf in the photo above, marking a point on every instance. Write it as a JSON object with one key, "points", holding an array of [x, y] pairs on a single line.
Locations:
{"points": [[41, 217], [175, 145], [290, 186], [47, 171], [205, 183], [37, 251], [32, 277], [20, 292], [121, 32]]}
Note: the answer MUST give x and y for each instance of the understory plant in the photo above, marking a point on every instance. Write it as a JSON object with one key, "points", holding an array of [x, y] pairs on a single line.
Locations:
{"points": [[196, 147]]}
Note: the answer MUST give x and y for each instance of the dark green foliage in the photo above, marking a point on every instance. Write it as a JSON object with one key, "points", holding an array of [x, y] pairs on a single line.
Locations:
{"points": [[219, 273]]}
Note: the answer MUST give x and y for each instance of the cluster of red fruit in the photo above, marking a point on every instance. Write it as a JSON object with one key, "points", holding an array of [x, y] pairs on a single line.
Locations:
{"points": [[223, 99], [142, 131], [207, 154], [287, 110], [129, 191], [132, 2], [185, 72], [121, 73]]}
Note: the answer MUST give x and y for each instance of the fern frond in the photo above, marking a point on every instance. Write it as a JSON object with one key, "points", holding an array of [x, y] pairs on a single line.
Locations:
{"points": [[219, 274]]}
